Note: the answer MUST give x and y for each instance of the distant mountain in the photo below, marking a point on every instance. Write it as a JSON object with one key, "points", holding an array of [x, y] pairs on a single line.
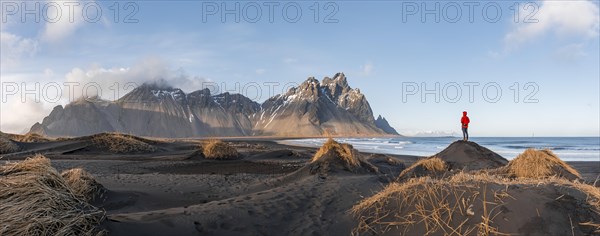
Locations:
{"points": [[383, 124], [432, 134], [314, 108]]}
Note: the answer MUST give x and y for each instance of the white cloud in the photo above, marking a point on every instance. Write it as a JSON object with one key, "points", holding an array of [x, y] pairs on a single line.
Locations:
{"points": [[68, 18], [290, 60], [19, 109], [571, 52], [14, 48], [115, 82], [563, 18], [260, 71], [18, 116], [367, 68]]}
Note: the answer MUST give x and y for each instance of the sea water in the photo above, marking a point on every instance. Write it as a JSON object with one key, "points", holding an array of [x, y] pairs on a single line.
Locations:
{"points": [[567, 148]]}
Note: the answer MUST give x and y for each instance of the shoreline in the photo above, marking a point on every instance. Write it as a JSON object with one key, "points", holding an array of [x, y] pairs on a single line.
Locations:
{"points": [[568, 157], [589, 170]]}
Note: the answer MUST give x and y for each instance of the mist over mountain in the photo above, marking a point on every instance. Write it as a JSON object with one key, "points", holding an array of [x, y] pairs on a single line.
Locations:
{"points": [[329, 107]]}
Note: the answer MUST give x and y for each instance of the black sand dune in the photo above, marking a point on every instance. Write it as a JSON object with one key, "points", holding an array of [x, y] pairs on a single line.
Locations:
{"points": [[481, 204], [467, 155], [273, 189], [458, 156]]}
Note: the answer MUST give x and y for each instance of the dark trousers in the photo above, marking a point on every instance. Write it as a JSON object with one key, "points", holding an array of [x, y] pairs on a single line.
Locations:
{"points": [[465, 133]]}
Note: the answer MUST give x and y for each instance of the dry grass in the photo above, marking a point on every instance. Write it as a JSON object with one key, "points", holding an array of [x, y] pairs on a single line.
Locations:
{"points": [[121, 143], [8, 146], [83, 184], [30, 138], [36, 200], [444, 206], [342, 151], [217, 149], [424, 166], [334, 156], [423, 206], [539, 164]]}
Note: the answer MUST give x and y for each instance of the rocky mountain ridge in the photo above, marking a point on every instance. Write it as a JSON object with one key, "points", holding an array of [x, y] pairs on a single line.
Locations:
{"points": [[329, 107]]}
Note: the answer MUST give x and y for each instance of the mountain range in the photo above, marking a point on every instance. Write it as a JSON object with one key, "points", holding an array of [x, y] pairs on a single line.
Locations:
{"points": [[329, 107]]}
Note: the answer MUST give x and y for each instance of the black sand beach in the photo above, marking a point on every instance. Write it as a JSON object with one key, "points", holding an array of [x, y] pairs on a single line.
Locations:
{"points": [[271, 189]]}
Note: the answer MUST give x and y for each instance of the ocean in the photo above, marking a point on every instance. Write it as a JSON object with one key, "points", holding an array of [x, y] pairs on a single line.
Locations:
{"points": [[567, 148]]}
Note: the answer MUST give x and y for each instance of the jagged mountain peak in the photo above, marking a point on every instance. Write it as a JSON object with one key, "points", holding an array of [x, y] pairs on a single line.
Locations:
{"points": [[200, 93], [90, 99], [337, 86], [338, 79], [154, 92], [236, 102], [383, 124], [308, 90], [160, 85], [155, 109]]}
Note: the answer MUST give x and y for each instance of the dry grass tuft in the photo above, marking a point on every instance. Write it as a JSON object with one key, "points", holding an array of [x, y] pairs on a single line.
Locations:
{"points": [[421, 206], [30, 138], [8, 146], [462, 204], [342, 151], [333, 156], [121, 143], [36, 200], [427, 166], [217, 149], [432, 164], [83, 184], [540, 164]]}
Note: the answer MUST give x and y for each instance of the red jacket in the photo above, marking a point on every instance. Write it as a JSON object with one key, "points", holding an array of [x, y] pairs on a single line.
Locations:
{"points": [[465, 120]]}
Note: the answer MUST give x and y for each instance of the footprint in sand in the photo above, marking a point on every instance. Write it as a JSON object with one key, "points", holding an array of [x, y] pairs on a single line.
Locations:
{"points": [[198, 226]]}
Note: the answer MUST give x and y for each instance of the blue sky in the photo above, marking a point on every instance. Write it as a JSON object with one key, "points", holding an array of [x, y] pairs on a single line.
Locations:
{"points": [[380, 46]]}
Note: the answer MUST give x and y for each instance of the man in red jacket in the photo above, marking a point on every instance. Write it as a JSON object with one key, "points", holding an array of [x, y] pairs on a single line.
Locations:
{"points": [[465, 125]]}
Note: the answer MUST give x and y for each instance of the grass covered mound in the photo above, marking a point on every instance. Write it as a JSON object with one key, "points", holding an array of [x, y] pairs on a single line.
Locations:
{"points": [[83, 184], [539, 164], [36, 200], [482, 204], [339, 156], [432, 166], [217, 149], [121, 143], [467, 155], [30, 138], [8, 146]]}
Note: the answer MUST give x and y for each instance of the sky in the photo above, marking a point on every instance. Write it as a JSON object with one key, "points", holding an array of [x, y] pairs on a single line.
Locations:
{"points": [[518, 68]]}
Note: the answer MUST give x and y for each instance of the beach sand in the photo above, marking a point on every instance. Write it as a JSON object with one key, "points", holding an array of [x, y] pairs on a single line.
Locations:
{"points": [[268, 191]]}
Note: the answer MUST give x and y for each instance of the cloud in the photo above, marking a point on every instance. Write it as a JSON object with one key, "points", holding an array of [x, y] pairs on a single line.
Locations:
{"points": [[18, 116], [563, 18], [109, 83], [367, 68], [260, 71], [112, 83], [571, 52], [22, 106], [290, 60], [62, 22], [14, 48]]}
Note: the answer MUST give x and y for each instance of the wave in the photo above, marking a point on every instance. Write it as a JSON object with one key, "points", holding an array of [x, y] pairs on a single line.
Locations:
{"points": [[587, 149]]}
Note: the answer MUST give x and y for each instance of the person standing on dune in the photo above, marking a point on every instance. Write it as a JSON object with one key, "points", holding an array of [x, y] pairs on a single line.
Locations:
{"points": [[465, 125]]}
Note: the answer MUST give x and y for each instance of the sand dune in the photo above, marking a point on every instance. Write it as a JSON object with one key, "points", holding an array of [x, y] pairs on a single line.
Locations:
{"points": [[272, 189]]}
